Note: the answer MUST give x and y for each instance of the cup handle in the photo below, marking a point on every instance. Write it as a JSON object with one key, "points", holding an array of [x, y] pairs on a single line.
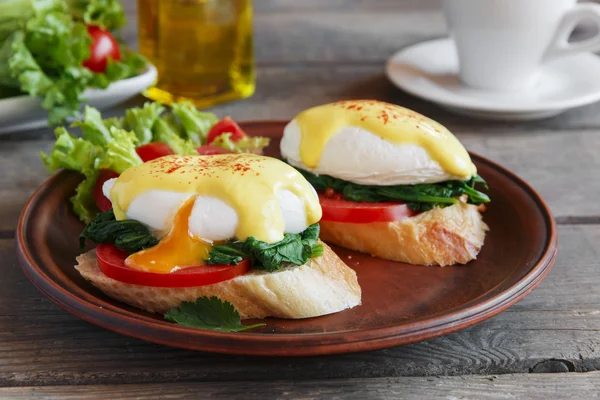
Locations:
{"points": [[560, 45]]}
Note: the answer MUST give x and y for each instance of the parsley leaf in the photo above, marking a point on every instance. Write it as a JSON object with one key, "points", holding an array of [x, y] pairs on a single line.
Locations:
{"points": [[420, 197], [128, 235], [209, 313], [294, 249]]}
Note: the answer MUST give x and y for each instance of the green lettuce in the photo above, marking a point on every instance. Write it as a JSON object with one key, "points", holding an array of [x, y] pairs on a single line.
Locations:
{"points": [[166, 130], [196, 124], [42, 49], [85, 156], [141, 120], [119, 154], [108, 14], [93, 128], [70, 152], [249, 144], [76, 154], [83, 201]]}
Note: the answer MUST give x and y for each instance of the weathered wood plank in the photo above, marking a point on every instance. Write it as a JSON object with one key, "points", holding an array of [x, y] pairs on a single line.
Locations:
{"points": [[282, 92], [558, 164], [517, 386], [42, 345]]}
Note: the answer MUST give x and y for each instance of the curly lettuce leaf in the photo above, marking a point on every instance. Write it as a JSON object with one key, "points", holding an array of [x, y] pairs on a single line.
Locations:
{"points": [[45, 60], [43, 53], [131, 64], [196, 124], [76, 154], [141, 120], [166, 130], [83, 200], [93, 127], [80, 154], [108, 14], [117, 122], [119, 153], [70, 152], [249, 144]]}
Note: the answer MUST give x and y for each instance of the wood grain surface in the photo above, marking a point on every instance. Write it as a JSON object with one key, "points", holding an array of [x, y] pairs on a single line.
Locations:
{"points": [[559, 321], [517, 386], [311, 52]]}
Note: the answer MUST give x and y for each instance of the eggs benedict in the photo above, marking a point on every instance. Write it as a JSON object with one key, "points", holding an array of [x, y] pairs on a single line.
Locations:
{"points": [[392, 183], [242, 227]]}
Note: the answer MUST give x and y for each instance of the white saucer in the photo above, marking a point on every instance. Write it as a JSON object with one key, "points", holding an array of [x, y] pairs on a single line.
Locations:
{"points": [[429, 70], [24, 112]]}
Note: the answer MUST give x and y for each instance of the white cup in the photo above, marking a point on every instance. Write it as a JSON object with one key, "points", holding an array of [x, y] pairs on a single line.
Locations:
{"points": [[502, 43]]}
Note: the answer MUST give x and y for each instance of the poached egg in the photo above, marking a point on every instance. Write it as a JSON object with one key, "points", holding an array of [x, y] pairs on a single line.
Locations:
{"points": [[189, 203], [370, 142]]}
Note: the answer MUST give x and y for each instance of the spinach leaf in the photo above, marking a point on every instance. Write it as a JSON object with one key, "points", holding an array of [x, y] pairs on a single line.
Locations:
{"points": [[294, 249], [128, 235], [420, 197]]}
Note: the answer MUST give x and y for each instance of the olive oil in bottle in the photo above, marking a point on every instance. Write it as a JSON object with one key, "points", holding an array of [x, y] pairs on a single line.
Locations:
{"points": [[201, 48]]}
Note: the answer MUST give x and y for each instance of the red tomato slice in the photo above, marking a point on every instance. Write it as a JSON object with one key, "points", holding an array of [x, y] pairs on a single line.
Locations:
{"points": [[101, 200], [340, 210], [104, 46], [226, 125], [112, 263], [208, 150], [150, 151]]}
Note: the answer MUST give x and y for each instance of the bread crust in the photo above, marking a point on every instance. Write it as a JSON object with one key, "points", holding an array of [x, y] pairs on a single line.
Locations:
{"points": [[322, 286], [441, 236]]}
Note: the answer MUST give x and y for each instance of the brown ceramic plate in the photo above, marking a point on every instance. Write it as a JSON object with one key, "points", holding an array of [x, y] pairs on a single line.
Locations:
{"points": [[401, 303]]}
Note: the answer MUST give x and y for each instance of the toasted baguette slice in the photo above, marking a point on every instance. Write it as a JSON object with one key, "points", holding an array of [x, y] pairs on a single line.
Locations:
{"points": [[442, 236], [322, 286]]}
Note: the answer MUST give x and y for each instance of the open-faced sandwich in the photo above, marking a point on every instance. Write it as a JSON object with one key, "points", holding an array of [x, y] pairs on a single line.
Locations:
{"points": [[391, 182], [239, 227]]}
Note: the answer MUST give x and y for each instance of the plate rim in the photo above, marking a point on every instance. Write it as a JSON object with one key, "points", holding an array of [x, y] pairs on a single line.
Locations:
{"points": [[471, 104], [144, 80], [279, 344], [149, 71]]}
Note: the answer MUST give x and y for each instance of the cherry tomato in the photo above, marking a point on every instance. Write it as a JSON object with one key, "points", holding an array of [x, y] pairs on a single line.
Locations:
{"points": [[104, 46], [101, 200], [111, 261], [208, 149], [226, 125], [150, 151], [340, 210]]}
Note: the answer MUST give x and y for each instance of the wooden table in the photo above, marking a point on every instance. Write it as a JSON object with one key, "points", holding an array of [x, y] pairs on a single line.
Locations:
{"points": [[307, 54]]}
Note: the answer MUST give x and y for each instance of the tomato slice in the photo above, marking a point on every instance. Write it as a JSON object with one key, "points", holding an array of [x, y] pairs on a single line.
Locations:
{"points": [[150, 151], [112, 263], [104, 46], [209, 149], [226, 125], [340, 210], [101, 200]]}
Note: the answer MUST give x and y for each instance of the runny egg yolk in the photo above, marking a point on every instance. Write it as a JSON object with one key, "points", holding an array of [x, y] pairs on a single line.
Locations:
{"points": [[178, 249]]}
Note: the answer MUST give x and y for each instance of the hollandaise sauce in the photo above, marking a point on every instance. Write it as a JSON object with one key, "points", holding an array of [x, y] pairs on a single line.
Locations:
{"points": [[248, 183], [390, 122]]}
